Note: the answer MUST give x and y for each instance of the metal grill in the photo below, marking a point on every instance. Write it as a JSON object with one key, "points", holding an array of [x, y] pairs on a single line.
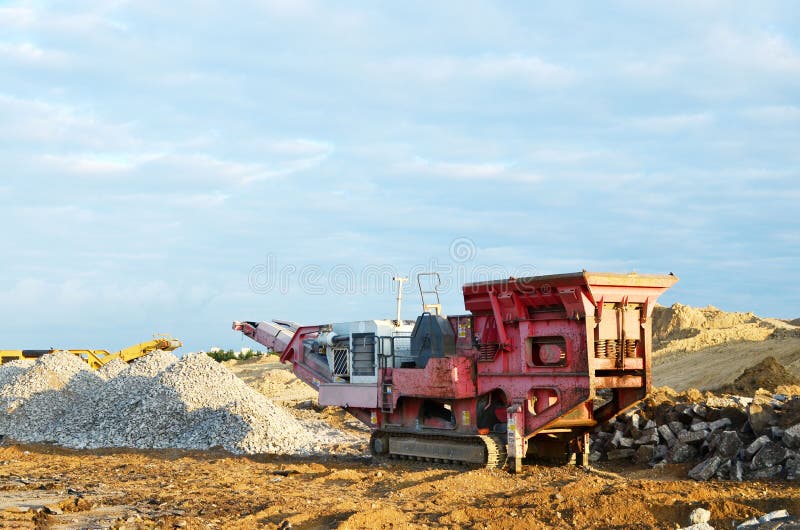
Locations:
{"points": [[341, 361], [488, 351]]}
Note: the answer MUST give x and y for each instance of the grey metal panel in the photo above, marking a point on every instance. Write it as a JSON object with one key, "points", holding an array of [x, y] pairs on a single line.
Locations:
{"points": [[432, 448]]}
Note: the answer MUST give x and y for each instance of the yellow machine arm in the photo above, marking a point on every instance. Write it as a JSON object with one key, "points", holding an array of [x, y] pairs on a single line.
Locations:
{"points": [[97, 358]]}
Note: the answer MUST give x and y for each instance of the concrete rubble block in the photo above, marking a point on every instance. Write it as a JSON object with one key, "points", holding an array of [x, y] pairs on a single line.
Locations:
{"points": [[791, 437], [650, 425], [661, 452], [625, 442], [616, 438], [692, 437], [645, 454], [792, 468], [699, 515], [728, 444], [699, 410], [666, 434], [772, 516], [779, 519], [761, 417], [706, 469], [780, 397], [650, 436], [595, 456], [724, 470], [720, 423], [755, 446], [774, 432], [770, 454], [634, 419], [737, 471], [765, 473], [698, 426], [619, 454], [681, 452], [676, 427]]}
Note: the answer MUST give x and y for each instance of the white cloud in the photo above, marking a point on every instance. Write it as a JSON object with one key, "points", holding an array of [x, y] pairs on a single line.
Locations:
{"points": [[50, 20], [32, 55], [299, 147], [763, 51], [672, 123], [198, 200], [563, 155], [533, 71], [773, 113], [203, 166], [651, 68], [14, 16], [37, 121], [92, 164], [467, 170]]}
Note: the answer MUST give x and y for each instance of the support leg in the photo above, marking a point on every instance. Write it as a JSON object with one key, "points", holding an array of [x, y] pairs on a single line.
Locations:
{"points": [[516, 429]]}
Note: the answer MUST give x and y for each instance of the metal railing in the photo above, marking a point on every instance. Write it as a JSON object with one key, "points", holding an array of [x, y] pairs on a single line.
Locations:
{"points": [[393, 351]]}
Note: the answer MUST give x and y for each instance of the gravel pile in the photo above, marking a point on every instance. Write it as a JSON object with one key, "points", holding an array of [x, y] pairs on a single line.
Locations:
{"points": [[155, 402], [728, 437]]}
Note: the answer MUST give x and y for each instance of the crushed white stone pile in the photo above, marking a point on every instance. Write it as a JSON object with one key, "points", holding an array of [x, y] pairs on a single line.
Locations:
{"points": [[158, 401]]}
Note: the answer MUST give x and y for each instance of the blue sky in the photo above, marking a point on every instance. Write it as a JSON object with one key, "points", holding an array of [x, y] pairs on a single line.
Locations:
{"points": [[173, 166]]}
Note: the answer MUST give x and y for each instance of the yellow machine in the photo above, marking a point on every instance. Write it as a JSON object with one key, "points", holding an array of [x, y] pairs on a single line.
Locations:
{"points": [[98, 358]]}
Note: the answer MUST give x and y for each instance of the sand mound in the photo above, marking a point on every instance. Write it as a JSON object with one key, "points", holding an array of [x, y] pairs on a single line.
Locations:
{"points": [[685, 328], [768, 374]]}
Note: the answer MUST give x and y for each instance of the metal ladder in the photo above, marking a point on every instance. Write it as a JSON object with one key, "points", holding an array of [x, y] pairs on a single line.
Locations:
{"points": [[430, 308], [387, 404]]}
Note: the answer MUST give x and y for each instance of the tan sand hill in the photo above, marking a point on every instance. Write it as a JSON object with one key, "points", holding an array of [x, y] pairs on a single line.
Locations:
{"points": [[707, 348]]}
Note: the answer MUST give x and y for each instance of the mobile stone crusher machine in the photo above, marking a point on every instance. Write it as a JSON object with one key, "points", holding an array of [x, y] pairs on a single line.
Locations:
{"points": [[537, 363]]}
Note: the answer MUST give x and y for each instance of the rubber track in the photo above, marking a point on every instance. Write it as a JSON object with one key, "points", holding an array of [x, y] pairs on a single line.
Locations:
{"points": [[493, 444]]}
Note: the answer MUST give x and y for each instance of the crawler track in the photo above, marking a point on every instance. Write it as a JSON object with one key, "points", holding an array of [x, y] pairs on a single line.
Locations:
{"points": [[479, 451]]}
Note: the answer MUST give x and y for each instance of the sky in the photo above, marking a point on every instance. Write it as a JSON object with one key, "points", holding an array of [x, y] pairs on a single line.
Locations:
{"points": [[173, 166]]}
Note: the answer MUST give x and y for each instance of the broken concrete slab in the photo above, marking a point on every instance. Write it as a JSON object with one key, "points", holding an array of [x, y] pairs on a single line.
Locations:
{"points": [[706, 469], [699, 515], [765, 473], [755, 446], [619, 454], [681, 452], [728, 444], [644, 454], [770, 454], [692, 436], [791, 437]]}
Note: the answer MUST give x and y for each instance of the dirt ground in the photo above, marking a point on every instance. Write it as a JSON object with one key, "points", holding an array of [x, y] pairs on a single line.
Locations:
{"points": [[716, 366], [47, 487], [192, 489]]}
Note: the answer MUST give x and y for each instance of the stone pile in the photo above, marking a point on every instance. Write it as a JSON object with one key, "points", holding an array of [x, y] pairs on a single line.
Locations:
{"points": [[158, 401], [728, 438]]}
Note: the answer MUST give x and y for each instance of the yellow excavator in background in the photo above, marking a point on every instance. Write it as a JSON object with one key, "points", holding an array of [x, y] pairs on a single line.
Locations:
{"points": [[97, 358]]}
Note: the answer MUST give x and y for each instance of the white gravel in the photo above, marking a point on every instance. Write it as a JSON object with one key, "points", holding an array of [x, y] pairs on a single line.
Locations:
{"points": [[156, 402]]}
